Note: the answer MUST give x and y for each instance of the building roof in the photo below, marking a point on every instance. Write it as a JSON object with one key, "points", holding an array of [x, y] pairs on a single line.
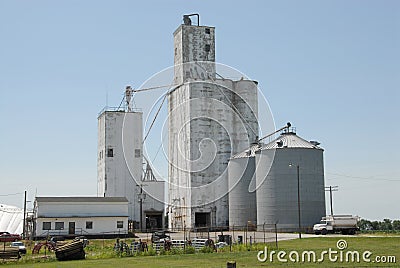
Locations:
{"points": [[251, 152], [290, 140], [285, 140], [80, 199], [116, 110]]}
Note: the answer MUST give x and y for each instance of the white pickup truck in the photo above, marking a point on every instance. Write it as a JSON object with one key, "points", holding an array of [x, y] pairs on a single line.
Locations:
{"points": [[346, 224]]}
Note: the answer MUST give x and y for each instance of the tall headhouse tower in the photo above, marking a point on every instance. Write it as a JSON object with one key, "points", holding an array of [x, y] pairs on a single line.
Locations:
{"points": [[119, 159], [210, 119], [120, 165]]}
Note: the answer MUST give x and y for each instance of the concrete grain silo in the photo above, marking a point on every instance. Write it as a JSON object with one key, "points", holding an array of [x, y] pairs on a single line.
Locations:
{"points": [[296, 173], [210, 119]]}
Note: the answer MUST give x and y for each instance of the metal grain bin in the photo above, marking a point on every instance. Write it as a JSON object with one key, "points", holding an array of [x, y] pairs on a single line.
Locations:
{"points": [[242, 201], [277, 195]]}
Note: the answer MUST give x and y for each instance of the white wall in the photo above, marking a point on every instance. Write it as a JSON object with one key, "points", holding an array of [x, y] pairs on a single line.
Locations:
{"points": [[101, 225], [79, 209], [155, 195], [189, 46], [119, 175]]}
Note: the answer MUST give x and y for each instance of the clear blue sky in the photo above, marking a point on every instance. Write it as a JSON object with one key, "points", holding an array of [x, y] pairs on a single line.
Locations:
{"points": [[329, 67]]}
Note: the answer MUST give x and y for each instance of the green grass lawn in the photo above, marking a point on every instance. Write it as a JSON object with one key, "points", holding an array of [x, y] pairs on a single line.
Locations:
{"points": [[383, 246]]}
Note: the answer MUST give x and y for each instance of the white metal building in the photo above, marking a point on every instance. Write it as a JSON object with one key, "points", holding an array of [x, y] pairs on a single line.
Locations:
{"points": [[71, 216], [210, 120]]}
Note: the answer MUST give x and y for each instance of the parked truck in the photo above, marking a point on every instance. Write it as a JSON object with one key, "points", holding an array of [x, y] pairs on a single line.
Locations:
{"points": [[346, 224]]}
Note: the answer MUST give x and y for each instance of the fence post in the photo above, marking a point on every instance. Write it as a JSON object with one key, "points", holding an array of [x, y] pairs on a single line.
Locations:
{"points": [[247, 231], [184, 236], [245, 236], [264, 231], [184, 230], [276, 236], [233, 232]]}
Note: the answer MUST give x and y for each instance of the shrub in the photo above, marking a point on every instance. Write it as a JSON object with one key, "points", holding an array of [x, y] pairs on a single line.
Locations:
{"points": [[162, 252], [189, 250], [150, 252], [207, 250]]}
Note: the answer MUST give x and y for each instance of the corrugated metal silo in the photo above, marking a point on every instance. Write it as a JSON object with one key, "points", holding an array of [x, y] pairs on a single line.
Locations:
{"points": [[242, 202], [277, 194]]}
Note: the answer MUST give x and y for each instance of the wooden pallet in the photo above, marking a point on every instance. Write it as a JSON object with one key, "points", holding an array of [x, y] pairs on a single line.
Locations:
{"points": [[9, 253]]}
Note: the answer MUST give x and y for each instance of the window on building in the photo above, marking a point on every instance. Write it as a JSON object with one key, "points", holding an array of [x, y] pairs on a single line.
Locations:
{"points": [[207, 30], [120, 224], [110, 152], [89, 225], [137, 153], [46, 225], [208, 48], [59, 226]]}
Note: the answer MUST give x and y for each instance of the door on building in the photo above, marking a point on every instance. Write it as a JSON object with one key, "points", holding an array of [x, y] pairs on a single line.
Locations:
{"points": [[202, 219], [71, 228], [154, 221]]}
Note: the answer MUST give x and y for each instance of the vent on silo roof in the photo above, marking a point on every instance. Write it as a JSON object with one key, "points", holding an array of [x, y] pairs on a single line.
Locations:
{"points": [[316, 143]]}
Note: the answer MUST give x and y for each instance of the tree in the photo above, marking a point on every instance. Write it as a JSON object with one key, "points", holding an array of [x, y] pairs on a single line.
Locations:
{"points": [[365, 225], [386, 225], [396, 225], [376, 225]]}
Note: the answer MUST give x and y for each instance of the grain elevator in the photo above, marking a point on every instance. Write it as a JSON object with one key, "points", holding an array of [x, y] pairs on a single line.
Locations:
{"points": [[210, 119], [120, 165]]}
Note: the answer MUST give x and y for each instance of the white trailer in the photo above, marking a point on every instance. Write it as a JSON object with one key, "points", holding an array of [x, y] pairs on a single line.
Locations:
{"points": [[346, 224]]}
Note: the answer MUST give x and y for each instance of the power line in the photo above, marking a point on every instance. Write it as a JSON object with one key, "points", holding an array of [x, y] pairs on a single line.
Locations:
{"points": [[10, 194], [362, 178], [331, 189]]}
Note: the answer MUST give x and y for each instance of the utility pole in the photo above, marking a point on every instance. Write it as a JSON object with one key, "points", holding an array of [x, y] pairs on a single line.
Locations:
{"points": [[142, 196], [331, 189], [141, 207], [298, 194], [24, 224], [298, 198]]}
